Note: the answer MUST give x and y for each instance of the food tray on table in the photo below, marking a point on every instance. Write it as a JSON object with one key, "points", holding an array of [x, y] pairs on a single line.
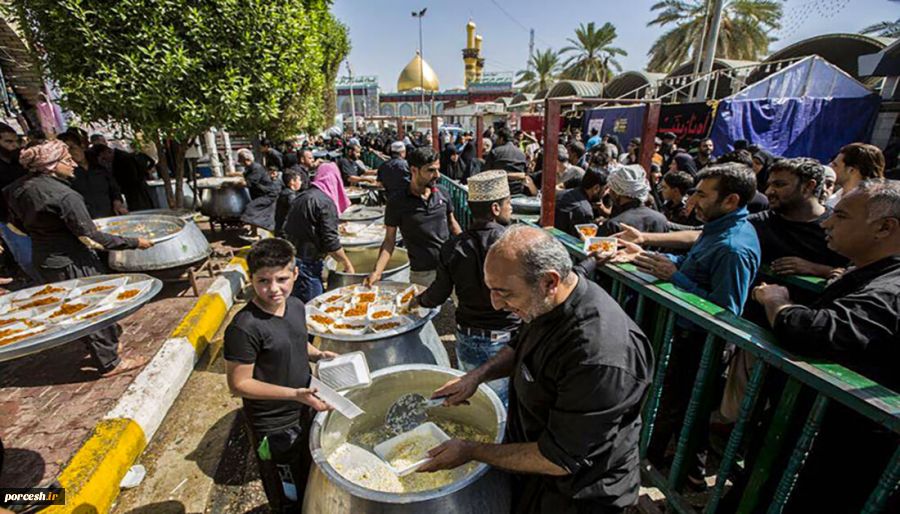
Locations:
{"points": [[41, 317], [355, 233], [156, 228], [351, 313], [355, 193]]}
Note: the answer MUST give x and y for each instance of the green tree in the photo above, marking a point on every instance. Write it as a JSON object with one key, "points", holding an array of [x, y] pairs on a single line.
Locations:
{"points": [[543, 71], [592, 56], [884, 29], [171, 69], [744, 33]]}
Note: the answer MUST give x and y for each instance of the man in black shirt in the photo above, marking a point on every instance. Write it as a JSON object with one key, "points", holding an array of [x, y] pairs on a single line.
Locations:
{"points": [[628, 190], [508, 157], [576, 206], [294, 180], [856, 322], [268, 356], [675, 187], [579, 369], [312, 227], [481, 330], [19, 245], [424, 216], [271, 158], [93, 179], [351, 167], [260, 212], [705, 154], [394, 173]]}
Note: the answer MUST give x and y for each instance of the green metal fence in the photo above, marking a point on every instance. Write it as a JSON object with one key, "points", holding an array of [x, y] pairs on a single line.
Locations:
{"points": [[655, 305]]}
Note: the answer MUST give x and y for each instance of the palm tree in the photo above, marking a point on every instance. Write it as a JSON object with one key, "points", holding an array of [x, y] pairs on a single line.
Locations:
{"points": [[743, 35], [592, 54], [884, 29], [543, 70]]}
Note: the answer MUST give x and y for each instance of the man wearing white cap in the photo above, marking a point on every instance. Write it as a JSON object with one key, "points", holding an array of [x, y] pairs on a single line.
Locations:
{"points": [[394, 173], [481, 330], [628, 190]]}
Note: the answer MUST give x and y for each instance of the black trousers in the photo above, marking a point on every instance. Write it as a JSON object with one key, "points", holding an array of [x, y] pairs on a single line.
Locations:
{"points": [[290, 462], [103, 345]]}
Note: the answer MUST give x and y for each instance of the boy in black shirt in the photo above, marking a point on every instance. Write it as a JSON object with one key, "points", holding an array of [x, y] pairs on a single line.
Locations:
{"points": [[268, 357]]}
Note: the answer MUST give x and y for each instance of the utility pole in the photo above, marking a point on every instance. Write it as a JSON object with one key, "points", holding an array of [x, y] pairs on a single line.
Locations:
{"points": [[698, 53], [419, 15], [352, 101], [530, 48], [711, 44]]}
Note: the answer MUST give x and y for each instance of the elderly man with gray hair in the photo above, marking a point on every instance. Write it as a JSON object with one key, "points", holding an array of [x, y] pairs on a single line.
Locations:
{"points": [[856, 322], [629, 190], [579, 368]]}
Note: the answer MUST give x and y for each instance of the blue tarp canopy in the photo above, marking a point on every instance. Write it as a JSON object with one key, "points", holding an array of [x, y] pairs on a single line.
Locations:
{"points": [[809, 109]]}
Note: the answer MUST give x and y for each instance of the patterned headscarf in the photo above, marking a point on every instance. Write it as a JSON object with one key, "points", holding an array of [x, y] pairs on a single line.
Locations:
{"points": [[44, 158], [630, 181], [328, 179]]}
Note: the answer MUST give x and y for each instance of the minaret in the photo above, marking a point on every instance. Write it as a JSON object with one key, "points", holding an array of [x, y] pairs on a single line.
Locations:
{"points": [[479, 63], [470, 53]]}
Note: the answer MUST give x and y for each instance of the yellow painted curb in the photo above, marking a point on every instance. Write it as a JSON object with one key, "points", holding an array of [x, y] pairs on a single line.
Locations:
{"points": [[202, 322], [91, 479]]}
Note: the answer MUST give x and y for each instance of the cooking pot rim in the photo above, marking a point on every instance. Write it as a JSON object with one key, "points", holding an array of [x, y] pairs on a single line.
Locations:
{"points": [[481, 468]]}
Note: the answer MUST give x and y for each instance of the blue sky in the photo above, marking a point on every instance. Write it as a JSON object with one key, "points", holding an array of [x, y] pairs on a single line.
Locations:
{"points": [[385, 36]]}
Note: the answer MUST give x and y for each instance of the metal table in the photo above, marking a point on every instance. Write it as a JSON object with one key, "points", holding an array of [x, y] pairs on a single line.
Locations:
{"points": [[71, 328]]}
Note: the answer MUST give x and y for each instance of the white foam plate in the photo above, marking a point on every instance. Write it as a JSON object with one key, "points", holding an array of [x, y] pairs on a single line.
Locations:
{"points": [[386, 449], [345, 372]]}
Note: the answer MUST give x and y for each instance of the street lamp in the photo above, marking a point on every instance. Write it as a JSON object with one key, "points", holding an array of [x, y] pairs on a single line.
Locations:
{"points": [[419, 15], [352, 101]]}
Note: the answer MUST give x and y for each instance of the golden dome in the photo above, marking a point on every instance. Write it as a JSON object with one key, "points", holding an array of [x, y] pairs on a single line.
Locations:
{"points": [[410, 79]]}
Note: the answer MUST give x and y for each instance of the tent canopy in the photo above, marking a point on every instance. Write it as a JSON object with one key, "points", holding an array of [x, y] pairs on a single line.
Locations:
{"points": [[809, 109]]}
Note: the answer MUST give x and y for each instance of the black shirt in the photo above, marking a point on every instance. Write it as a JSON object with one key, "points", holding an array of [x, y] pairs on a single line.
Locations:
{"points": [[581, 371], [349, 168], [394, 176], [677, 213], [10, 171], [99, 190], [55, 217], [424, 225], [572, 208], [132, 180], [312, 224], [259, 183], [507, 157], [779, 238], [273, 158], [461, 266], [282, 206], [856, 322], [276, 346], [636, 215]]}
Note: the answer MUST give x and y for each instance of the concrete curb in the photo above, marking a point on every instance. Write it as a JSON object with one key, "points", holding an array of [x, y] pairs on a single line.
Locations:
{"points": [[91, 478]]}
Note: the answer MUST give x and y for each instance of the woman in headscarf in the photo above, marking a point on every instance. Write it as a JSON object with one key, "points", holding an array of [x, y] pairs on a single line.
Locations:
{"points": [[455, 168], [762, 161], [683, 162], [312, 227], [62, 235], [471, 162]]}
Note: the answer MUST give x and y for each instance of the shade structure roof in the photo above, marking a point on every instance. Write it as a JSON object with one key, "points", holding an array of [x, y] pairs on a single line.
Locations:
{"points": [[418, 75], [580, 88], [629, 82]]}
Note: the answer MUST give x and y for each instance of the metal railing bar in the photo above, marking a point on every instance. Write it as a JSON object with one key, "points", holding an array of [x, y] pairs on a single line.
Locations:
{"points": [[655, 478], [697, 410], [887, 484], [729, 456], [654, 396], [798, 455]]}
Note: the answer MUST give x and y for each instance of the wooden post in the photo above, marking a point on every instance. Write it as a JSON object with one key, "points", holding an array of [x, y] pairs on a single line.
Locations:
{"points": [[435, 138], [648, 136], [479, 136], [551, 152]]}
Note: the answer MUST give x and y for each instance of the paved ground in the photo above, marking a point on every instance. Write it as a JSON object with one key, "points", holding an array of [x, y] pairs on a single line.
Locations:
{"points": [[50, 402]]}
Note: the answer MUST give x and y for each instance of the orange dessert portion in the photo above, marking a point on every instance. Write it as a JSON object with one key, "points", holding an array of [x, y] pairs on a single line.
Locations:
{"points": [[125, 295], [38, 303], [68, 308], [359, 309], [47, 290], [408, 296], [386, 326], [382, 314], [323, 320], [587, 231], [99, 289], [334, 309], [365, 297]]}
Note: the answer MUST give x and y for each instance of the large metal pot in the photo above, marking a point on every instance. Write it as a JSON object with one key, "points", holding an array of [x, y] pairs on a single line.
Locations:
{"points": [[363, 259], [484, 491], [223, 199], [185, 214], [363, 214], [158, 193], [187, 246]]}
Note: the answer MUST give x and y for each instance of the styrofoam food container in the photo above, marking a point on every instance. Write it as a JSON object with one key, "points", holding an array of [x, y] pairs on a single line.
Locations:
{"points": [[386, 449], [359, 327], [592, 226], [381, 307], [603, 241], [350, 315], [345, 372], [318, 326]]}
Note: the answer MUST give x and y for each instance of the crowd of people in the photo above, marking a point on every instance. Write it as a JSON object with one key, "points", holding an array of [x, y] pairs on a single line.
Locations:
{"points": [[572, 367]]}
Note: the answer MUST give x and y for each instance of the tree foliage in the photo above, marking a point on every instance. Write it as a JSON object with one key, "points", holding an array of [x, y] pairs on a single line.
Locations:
{"points": [[592, 56], [743, 35], [174, 68], [543, 70]]}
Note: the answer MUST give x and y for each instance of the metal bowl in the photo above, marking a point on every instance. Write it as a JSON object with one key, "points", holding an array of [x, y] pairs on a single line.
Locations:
{"points": [[363, 260], [484, 490], [187, 246], [156, 228]]}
